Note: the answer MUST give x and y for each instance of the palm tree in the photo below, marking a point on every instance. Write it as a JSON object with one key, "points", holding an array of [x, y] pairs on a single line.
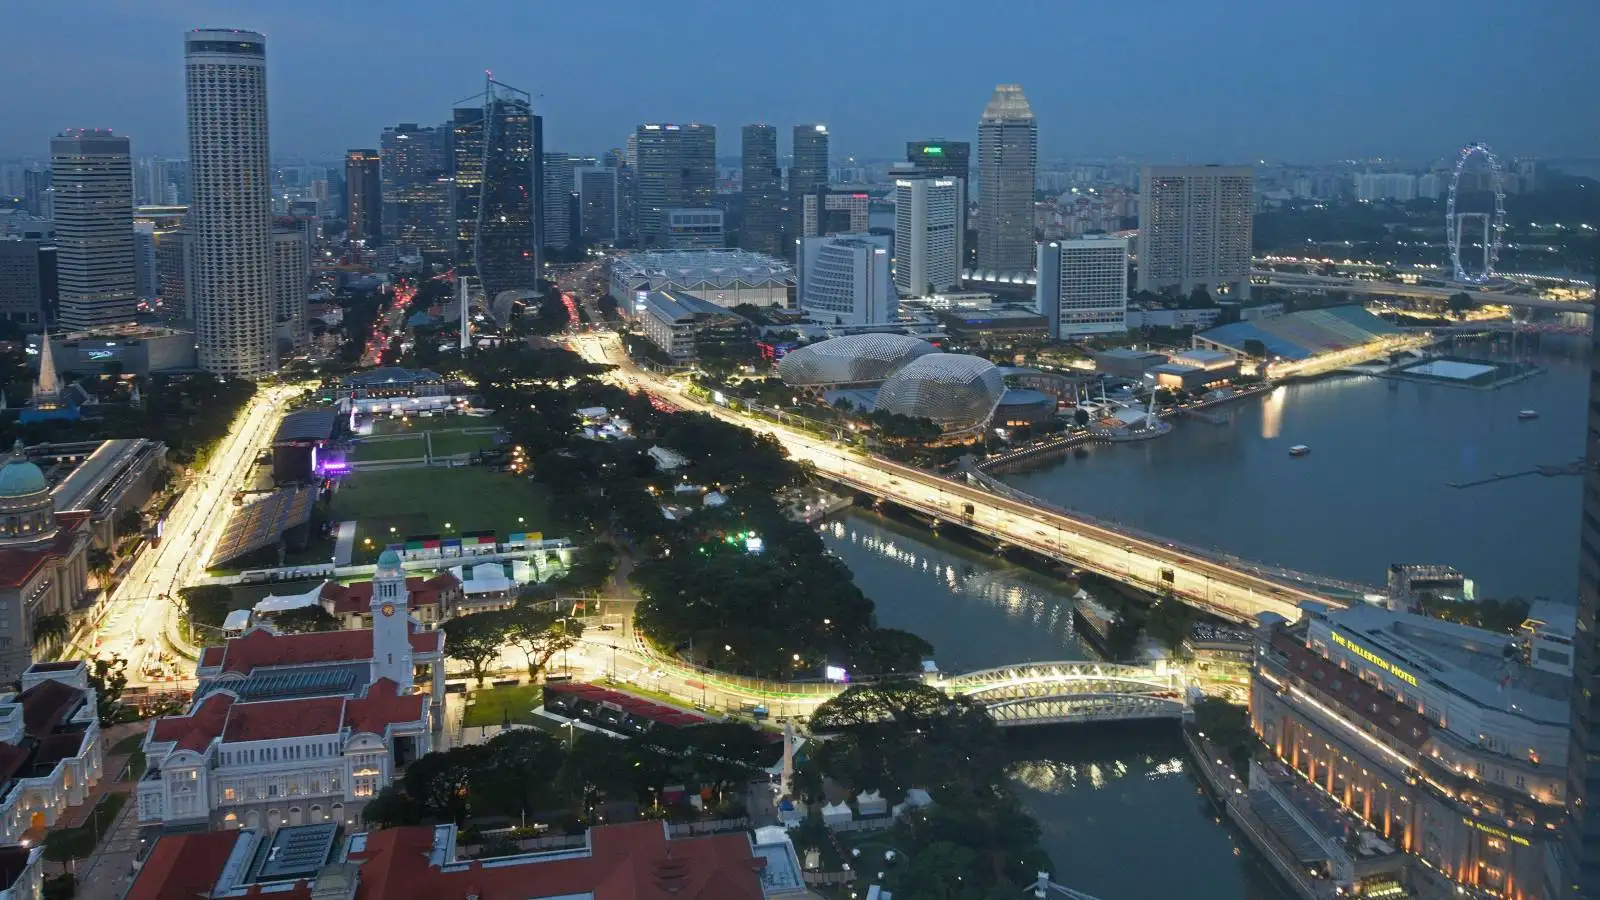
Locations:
{"points": [[100, 566], [47, 629]]}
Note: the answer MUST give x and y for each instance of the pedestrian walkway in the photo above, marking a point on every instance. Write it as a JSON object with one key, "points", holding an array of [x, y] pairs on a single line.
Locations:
{"points": [[344, 543], [106, 873]]}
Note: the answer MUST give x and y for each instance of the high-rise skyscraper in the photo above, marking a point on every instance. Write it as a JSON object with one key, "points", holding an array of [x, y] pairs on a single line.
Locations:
{"points": [[363, 195], [808, 170], [928, 237], [945, 159], [36, 192], [92, 174], [559, 185], [509, 237], [418, 183], [21, 290], [1083, 286], [597, 204], [467, 165], [291, 277], [1195, 228], [761, 184], [825, 211], [230, 209], [677, 170], [1008, 159]]}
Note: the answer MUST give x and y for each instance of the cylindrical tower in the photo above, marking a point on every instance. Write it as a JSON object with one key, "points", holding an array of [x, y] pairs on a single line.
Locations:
{"points": [[230, 201]]}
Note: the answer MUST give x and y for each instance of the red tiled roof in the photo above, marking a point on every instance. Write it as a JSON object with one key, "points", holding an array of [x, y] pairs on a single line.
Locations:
{"points": [[270, 719], [196, 730], [260, 648], [46, 705], [212, 656], [183, 866], [635, 861], [17, 565], [383, 705], [12, 759], [356, 598], [1374, 706]]}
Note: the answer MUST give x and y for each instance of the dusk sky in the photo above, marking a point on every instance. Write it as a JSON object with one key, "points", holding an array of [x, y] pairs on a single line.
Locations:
{"points": [[1219, 81]]}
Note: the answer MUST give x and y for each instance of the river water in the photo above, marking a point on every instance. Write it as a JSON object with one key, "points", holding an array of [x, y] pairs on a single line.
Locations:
{"points": [[1122, 816]]}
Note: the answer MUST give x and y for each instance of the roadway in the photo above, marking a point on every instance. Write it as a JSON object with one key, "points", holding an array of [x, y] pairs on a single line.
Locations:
{"points": [[142, 609], [1236, 591], [1416, 291]]}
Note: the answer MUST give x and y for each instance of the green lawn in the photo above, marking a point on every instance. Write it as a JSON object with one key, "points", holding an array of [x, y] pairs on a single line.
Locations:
{"points": [[126, 746], [400, 448], [416, 424], [494, 706], [451, 443], [425, 501]]}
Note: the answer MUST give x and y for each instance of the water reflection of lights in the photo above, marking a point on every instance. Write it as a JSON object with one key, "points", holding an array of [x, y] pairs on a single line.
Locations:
{"points": [[1272, 413], [1016, 598], [1049, 776]]}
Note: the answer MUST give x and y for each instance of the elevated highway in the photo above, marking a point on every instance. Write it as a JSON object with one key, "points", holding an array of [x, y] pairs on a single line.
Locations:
{"points": [[1416, 291], [1226, 586]]}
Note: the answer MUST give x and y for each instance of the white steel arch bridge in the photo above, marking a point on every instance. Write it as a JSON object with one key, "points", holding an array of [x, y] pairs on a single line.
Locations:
{"points": [[1074, 691]]}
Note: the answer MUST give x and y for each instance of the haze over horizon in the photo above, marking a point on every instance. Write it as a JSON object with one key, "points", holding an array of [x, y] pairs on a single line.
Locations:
{"points": [[1161, 80]]}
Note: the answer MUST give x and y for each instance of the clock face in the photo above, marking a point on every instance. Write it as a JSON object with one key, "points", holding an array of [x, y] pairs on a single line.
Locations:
{"points": [[387, 609]]}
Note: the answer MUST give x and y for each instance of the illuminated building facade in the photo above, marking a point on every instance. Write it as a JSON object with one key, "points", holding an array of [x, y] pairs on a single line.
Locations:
{"points": [[363, 196], [1195, 228], [229, 222], [1449, 742], [1008, 162]]}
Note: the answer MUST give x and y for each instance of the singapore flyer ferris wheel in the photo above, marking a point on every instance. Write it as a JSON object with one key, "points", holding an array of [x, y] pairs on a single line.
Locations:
{"points": [[1493, 221]]}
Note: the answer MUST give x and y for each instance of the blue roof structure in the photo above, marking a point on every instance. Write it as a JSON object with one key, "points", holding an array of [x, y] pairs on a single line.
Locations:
{"points": [[1306, 333], [1235, 335]]}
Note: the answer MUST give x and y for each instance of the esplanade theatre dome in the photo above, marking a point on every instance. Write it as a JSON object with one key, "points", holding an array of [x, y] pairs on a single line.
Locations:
{"points": [[958, 392], [853, 359]]}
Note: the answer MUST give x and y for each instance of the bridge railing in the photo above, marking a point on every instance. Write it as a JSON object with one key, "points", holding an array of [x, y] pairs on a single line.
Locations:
{"points": [[981, 479]]}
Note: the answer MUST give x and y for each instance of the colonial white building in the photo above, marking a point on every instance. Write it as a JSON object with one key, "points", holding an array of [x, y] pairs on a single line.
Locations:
{"points": [[50, 753], [298, 728]]}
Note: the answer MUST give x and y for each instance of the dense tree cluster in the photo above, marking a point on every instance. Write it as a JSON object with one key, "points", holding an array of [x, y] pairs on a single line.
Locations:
{"points": [[529, 774], [539, 634], [701, 593], [189, 413], [975, 842]]}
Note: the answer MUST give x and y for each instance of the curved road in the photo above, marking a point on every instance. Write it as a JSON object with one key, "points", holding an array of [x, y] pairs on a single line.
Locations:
{"points": [[1232, 591]]}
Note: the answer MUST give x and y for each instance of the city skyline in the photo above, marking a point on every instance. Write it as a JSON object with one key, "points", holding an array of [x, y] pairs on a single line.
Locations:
{"points": [[1144, 102]]}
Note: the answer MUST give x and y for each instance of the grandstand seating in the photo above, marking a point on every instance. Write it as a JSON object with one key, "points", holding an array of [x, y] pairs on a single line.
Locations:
{"points": [[1304, 334]]}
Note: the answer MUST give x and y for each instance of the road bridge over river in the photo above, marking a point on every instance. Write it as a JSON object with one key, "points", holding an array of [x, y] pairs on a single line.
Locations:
{"points": [[1234, 589]]}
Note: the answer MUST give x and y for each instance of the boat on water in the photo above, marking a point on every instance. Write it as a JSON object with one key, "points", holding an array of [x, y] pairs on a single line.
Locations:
{"points": [[1299, 450], [1528, 414]]}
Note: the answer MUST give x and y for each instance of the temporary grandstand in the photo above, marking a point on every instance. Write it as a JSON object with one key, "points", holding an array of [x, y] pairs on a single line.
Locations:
{"points": [[261, 523], [613, 711], [1300, 335]]}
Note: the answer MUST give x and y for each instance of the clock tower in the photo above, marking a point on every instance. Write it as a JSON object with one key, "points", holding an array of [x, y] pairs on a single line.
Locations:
{"points": [[391, 623]]}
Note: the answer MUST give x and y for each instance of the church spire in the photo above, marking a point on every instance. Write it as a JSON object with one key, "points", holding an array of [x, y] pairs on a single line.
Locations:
{"points": [[47, 389]]}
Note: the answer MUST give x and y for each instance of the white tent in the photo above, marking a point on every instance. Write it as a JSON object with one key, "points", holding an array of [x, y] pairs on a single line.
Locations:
{"points": [[273, 604]]}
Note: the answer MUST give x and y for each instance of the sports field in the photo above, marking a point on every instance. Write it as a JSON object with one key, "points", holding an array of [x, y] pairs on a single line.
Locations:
{"points": [[435, 500], [395, 448], [418, 424], [453, 443]]}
